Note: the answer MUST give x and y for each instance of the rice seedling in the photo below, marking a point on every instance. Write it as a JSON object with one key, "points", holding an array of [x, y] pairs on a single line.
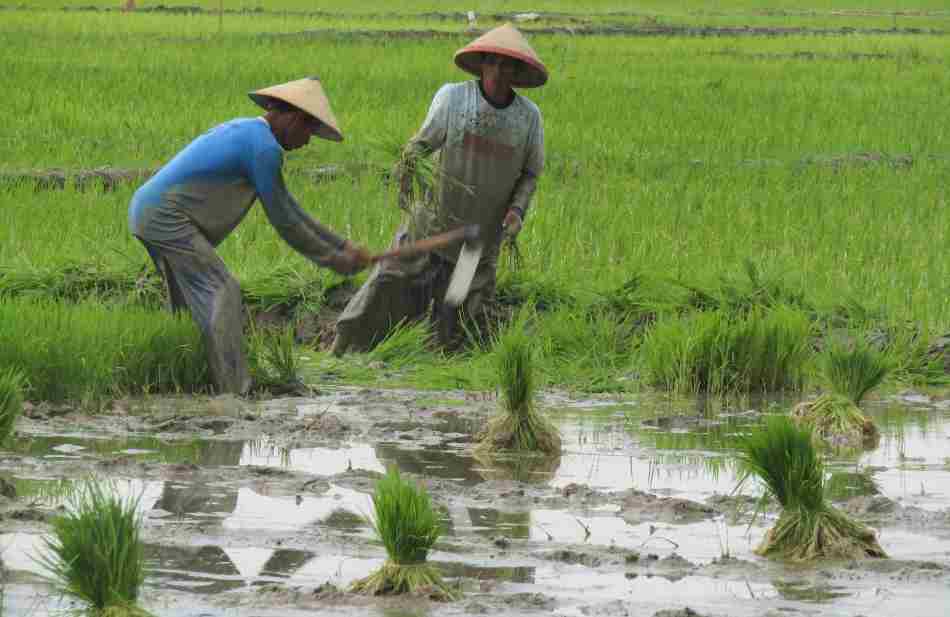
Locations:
{"points": [[405, 345], [850, 374], [88, 352], [783, 457], [273, 361], [723, 353], [520, 426], [95, 551], [408, 526], [12, 381], [759, 288]]}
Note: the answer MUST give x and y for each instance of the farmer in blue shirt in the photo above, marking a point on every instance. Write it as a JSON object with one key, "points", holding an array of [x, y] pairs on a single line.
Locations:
{"points": [[203, 193]]}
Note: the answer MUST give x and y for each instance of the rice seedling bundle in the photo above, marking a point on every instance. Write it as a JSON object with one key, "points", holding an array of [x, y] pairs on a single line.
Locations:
{"points": [[95, 551], [520, 426], [408, 526], [850, 374], [783, 457], [11, 401]]}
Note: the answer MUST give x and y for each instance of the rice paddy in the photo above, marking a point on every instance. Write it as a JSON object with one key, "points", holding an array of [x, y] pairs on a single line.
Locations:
{"points": [[729, 192]]}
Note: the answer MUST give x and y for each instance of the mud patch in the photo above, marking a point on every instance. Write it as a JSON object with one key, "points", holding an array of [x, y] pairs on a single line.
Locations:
{"points": [[639, 507]]}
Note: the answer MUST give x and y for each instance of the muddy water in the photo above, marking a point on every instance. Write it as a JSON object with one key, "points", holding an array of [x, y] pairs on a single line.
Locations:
{"points": [[253, 508]]}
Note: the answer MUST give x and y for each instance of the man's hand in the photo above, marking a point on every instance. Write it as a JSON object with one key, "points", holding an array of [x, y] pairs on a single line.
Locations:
{"points": [[512, 223], [351, 259]]}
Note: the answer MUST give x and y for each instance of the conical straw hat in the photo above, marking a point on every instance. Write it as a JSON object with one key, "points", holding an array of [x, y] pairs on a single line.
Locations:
{"points": [[505, 40], [306, 94]]}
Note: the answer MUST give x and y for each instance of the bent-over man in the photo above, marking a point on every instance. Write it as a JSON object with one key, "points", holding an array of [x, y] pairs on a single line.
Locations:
{"points": [[186, 209]]}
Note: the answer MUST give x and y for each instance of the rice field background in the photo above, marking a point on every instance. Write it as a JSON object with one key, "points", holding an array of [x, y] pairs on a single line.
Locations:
{"points": [[673, 160]]}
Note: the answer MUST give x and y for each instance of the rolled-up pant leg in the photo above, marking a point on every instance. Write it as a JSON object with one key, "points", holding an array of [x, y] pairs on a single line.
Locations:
{"points": [[197, 278]]}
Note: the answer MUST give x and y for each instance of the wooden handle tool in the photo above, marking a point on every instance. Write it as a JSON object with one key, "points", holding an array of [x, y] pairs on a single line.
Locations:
{"points": [[467, 233]]}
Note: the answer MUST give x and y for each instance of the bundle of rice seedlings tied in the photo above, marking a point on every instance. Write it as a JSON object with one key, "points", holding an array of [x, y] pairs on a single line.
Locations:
{"points": [[12, 382], [408, 527], [95, 552], [850, 373], [783, 456], [520, 426]]}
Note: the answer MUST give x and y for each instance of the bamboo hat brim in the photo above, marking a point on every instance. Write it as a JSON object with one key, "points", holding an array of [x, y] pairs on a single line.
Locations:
{"points": [[508, 41], [306, 94]]}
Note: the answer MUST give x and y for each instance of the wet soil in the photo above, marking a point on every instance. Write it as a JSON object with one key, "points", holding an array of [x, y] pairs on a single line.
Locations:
{"points": [[259, 507]]}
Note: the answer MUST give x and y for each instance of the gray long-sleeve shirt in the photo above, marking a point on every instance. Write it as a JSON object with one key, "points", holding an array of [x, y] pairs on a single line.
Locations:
{"points": [[489, 161]]}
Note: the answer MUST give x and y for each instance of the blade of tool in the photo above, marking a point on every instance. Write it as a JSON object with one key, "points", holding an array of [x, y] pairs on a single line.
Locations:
{"points": [[464, 272]]}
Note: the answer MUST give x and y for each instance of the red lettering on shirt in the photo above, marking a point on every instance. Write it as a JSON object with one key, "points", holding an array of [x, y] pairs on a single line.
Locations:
{"points": [[487, 147]]}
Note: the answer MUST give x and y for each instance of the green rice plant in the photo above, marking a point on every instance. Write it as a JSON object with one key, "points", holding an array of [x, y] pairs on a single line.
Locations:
{"points": [[273, 361], [723, 353], [783, 457], [95, 552], [88, 352], [520, 426], [850, 373], [759, 288], [405, 345], [408, 527], [12, 382]]}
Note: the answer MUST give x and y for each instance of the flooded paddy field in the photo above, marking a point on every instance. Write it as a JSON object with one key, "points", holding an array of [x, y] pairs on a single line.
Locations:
{"points": [[259, 507]]}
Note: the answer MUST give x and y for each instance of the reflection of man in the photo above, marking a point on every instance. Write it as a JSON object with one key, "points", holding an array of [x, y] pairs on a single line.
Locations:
{"points": [[196, 498], [491, 151], [186, 209]]}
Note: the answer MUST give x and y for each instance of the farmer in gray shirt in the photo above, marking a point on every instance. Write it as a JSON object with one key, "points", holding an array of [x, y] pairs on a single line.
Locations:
{"points": [[490, 145]]}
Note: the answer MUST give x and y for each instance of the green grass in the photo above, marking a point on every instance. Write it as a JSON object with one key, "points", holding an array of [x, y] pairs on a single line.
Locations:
{"points": [[89, 352], [783, 457], [273, 358], [95, 552], [11, 401], [520, 426], [408, 527], [725, 352], [405, 346], [745, 154]]}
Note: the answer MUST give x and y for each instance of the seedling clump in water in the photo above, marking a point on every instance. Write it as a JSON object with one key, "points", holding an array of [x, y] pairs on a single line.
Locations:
{"points": [[408, 527], [520, 427], [836, 415], [783, 456], [95, 553]]}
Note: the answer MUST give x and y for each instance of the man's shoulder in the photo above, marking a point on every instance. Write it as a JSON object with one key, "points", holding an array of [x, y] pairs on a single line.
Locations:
{"points": [[458, 88], [530, 105]]}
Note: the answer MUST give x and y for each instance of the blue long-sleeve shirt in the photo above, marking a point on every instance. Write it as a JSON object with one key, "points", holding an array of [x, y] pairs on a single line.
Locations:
{"points": [[210, 186]]}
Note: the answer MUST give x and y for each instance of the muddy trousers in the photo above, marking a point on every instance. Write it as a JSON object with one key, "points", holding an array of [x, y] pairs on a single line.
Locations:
{"points": [[197, 279], [396, 292]]}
